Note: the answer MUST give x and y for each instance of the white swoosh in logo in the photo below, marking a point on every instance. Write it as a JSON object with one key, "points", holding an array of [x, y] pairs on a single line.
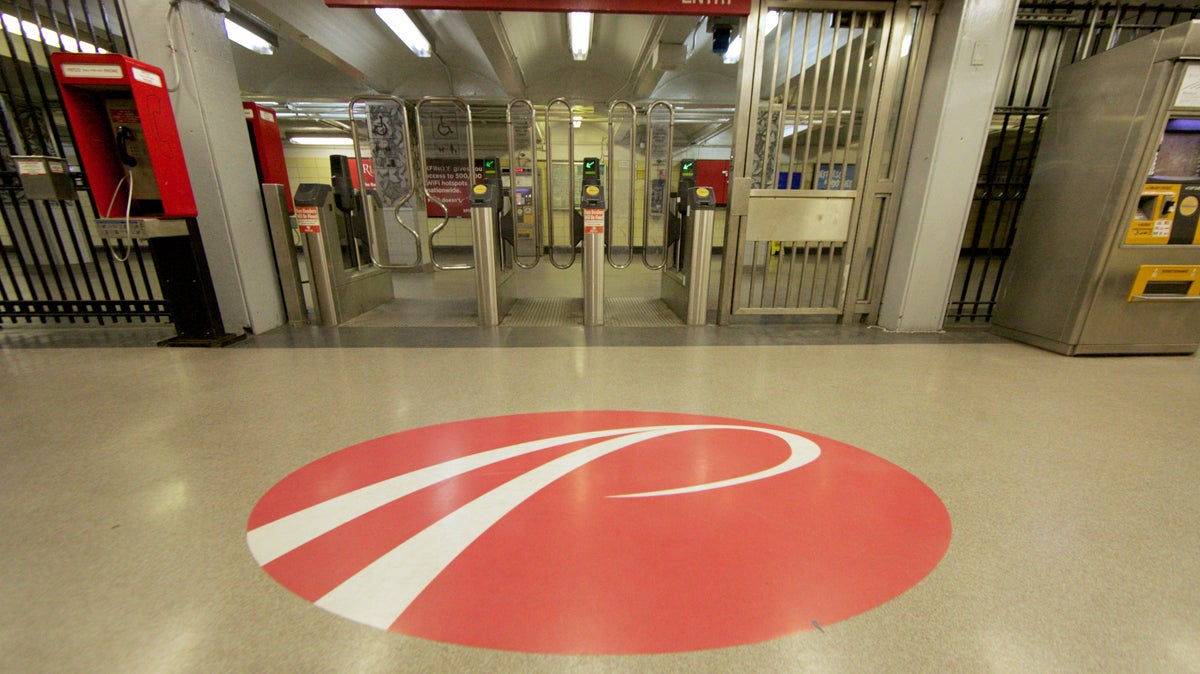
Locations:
{"points": [[378, 594]]}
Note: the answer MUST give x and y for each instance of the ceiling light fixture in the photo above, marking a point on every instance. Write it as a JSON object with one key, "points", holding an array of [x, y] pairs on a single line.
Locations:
{"points": [[404, 28], [579, 25], [321, 140], [248, 38], [769, 21]]}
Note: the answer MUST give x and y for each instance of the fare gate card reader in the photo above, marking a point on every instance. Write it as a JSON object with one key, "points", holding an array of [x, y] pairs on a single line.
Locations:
{"points": [[484, 195], [701, 197], [593, 196]]}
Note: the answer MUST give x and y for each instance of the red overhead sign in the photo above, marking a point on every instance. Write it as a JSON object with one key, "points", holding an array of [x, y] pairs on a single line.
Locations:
{"points": [[707, 7]]}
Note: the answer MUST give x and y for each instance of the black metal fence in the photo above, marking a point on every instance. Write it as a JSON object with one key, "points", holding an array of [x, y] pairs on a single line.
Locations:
{"points": [[1048, 35], [53, 268]]}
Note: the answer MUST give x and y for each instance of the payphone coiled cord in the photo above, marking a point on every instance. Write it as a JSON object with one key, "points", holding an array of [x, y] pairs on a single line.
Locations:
{"points": [[129, 245]]}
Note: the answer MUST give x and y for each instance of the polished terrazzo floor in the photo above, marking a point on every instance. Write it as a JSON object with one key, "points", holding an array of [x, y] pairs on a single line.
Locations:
{"points": [[128, 475]]}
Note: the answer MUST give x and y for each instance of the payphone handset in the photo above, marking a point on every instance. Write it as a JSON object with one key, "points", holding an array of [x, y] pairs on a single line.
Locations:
{"points": [[132, 151]]}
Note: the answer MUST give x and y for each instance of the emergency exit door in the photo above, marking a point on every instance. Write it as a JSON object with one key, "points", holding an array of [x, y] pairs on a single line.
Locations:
{"points": [[824, 124]]}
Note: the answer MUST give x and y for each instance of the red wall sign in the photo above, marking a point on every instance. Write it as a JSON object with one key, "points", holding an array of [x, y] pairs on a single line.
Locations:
{"points": [[368, 172], [714, 7], [599, 532]]}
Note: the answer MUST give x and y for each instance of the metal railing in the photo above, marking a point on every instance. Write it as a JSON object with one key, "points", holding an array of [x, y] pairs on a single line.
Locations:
{"points": [[550, 183], [651, 157], [462, 105], [611, 180], [535, 195], [402, 200], [53, 267]]}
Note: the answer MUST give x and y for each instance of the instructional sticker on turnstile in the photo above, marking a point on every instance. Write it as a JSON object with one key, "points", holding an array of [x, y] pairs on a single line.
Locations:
{"points": [[308, 219], [593, 221]]}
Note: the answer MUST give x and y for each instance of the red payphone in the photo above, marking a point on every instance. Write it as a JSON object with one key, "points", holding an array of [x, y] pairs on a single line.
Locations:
{"points": [[268, 148], [120, 112], [121, 119]]}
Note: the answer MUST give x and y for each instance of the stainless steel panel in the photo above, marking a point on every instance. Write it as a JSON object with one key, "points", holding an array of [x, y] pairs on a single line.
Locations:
{"points": [[593, 278], [686, 291], [808, 215], [483, 232], [1179, 42], [362, 291], [139, 228], [700, 263], [280, 228], [1069, 276], [340, 293]]}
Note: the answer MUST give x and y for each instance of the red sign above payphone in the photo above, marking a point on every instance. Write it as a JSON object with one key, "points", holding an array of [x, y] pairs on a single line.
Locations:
{"points": [[705, 7]]}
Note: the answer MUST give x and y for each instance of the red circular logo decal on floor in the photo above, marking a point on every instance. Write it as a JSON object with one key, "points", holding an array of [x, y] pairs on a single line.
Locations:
{"points": [[599, 532]]}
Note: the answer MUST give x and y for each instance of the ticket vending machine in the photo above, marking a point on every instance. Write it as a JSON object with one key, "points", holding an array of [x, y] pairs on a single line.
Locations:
{"points": [[1107, 253], [124, 131]]}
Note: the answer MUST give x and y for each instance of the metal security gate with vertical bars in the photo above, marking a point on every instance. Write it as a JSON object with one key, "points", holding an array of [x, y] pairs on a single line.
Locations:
{"points": [[53, 268], [827, 130], [1047, 36]]}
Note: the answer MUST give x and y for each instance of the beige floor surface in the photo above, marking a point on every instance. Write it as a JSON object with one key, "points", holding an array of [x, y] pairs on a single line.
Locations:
{"points": [[127, 474]]}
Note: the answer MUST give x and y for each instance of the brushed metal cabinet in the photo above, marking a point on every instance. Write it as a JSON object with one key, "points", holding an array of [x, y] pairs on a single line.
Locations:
{"points": [[1067, 281]]}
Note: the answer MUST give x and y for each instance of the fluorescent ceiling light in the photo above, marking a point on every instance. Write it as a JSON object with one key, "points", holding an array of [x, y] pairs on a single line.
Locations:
{"points": [[734, 52], [247, 38], [579, 25], [31, 31], [405, 29], [320, 140], [769, 21]]}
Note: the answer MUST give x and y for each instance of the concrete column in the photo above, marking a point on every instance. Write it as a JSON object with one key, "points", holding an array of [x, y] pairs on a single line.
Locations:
{"points": [[970, 43], [216, 146]]}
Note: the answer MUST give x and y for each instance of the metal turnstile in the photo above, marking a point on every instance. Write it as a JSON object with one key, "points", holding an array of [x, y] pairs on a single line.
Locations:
{"points": [[685, 277], [592, 201], [344, 284], [1107, 254], [492, 253]]}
